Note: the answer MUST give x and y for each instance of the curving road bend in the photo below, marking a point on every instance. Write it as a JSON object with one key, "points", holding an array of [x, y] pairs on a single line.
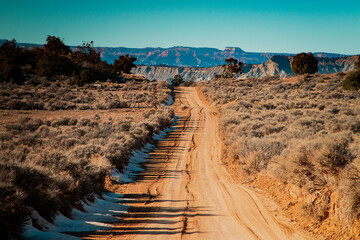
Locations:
{"points": [[186, 193]]}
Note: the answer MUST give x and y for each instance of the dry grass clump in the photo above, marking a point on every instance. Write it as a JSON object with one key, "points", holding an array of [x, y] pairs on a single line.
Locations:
{"points": [[304, 132], [49, 164]]}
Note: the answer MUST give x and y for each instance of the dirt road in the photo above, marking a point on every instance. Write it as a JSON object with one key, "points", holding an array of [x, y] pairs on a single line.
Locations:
{"points": [[186, 193]]}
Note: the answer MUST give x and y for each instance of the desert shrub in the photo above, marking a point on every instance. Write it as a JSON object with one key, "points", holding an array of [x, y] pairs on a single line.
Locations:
{"points": [[5, 136], [50, 64], [177, 80], [352, 81], [189, 83], [125, 63], [13, 212], [72, 121], [35, 185], [14, 127], [11, 72], [60, 122], [117, 104], [304, 63], [15, 104], [28, 140], [335, 155], [56, 45], [69, 143], [84, 76], [85, 121], [10, 62], [124, 126], [58, 105], [351, 197], [231, 68], [319, 207], [85, 107], [43, 131], [101, 106], [32, 124]]}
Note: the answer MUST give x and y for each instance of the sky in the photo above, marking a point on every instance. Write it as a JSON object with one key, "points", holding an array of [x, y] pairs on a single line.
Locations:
{"points": [[255, 26]]}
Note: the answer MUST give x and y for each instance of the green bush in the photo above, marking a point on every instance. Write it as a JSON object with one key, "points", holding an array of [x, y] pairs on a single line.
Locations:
{"points": [[85, 76], [56, 45], [177, 80], [352, 81], [11, 72], [10, 56], [189, 83], [335, 155], [232, 67], [125, 63], [50, 64], [13, 212], [304, 63]]}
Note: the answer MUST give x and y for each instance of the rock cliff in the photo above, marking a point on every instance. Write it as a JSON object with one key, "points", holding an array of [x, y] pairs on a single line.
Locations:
{"points": [[276, 65]]}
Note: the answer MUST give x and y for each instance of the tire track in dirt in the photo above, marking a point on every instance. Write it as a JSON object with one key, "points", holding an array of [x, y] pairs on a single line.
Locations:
{"points": [[187, 186]]}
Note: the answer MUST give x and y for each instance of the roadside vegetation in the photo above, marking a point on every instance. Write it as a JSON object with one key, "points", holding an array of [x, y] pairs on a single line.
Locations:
{"points": [[303, 131], [64, 129]]}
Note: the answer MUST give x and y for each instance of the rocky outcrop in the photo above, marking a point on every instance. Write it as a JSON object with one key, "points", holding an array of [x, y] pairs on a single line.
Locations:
{"points": [[167, 73], [276, 65], [333, 65]]}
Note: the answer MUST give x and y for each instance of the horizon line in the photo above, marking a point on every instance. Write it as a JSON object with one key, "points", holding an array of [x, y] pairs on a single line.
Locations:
{"points": [[175, 46]]}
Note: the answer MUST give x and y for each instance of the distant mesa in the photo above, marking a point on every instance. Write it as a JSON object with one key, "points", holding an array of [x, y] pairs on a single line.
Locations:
{"points": [[234, 49], [182, 56]]}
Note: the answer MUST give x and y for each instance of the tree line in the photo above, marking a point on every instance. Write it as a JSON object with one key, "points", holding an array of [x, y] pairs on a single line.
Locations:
{"points": [[83, 65]]}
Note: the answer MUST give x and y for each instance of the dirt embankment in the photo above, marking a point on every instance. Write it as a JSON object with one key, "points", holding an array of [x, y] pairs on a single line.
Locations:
{"points": [[292, 202]]}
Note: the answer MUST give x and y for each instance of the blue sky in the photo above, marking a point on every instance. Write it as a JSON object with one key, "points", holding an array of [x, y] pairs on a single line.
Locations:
{"points": [[258, 26]]}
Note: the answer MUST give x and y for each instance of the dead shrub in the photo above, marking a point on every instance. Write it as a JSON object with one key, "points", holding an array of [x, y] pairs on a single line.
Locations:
{"points": [[319, 207], [351, 195], [60, 122], [335, 155], [43, 131], [118, 104]]}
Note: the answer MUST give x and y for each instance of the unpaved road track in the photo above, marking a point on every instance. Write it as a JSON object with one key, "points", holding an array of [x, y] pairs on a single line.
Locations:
{"points": [[186, 193]]}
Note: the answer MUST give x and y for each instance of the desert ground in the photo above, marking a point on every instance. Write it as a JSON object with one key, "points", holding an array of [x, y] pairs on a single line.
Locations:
{"points": [[263, 158]]}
